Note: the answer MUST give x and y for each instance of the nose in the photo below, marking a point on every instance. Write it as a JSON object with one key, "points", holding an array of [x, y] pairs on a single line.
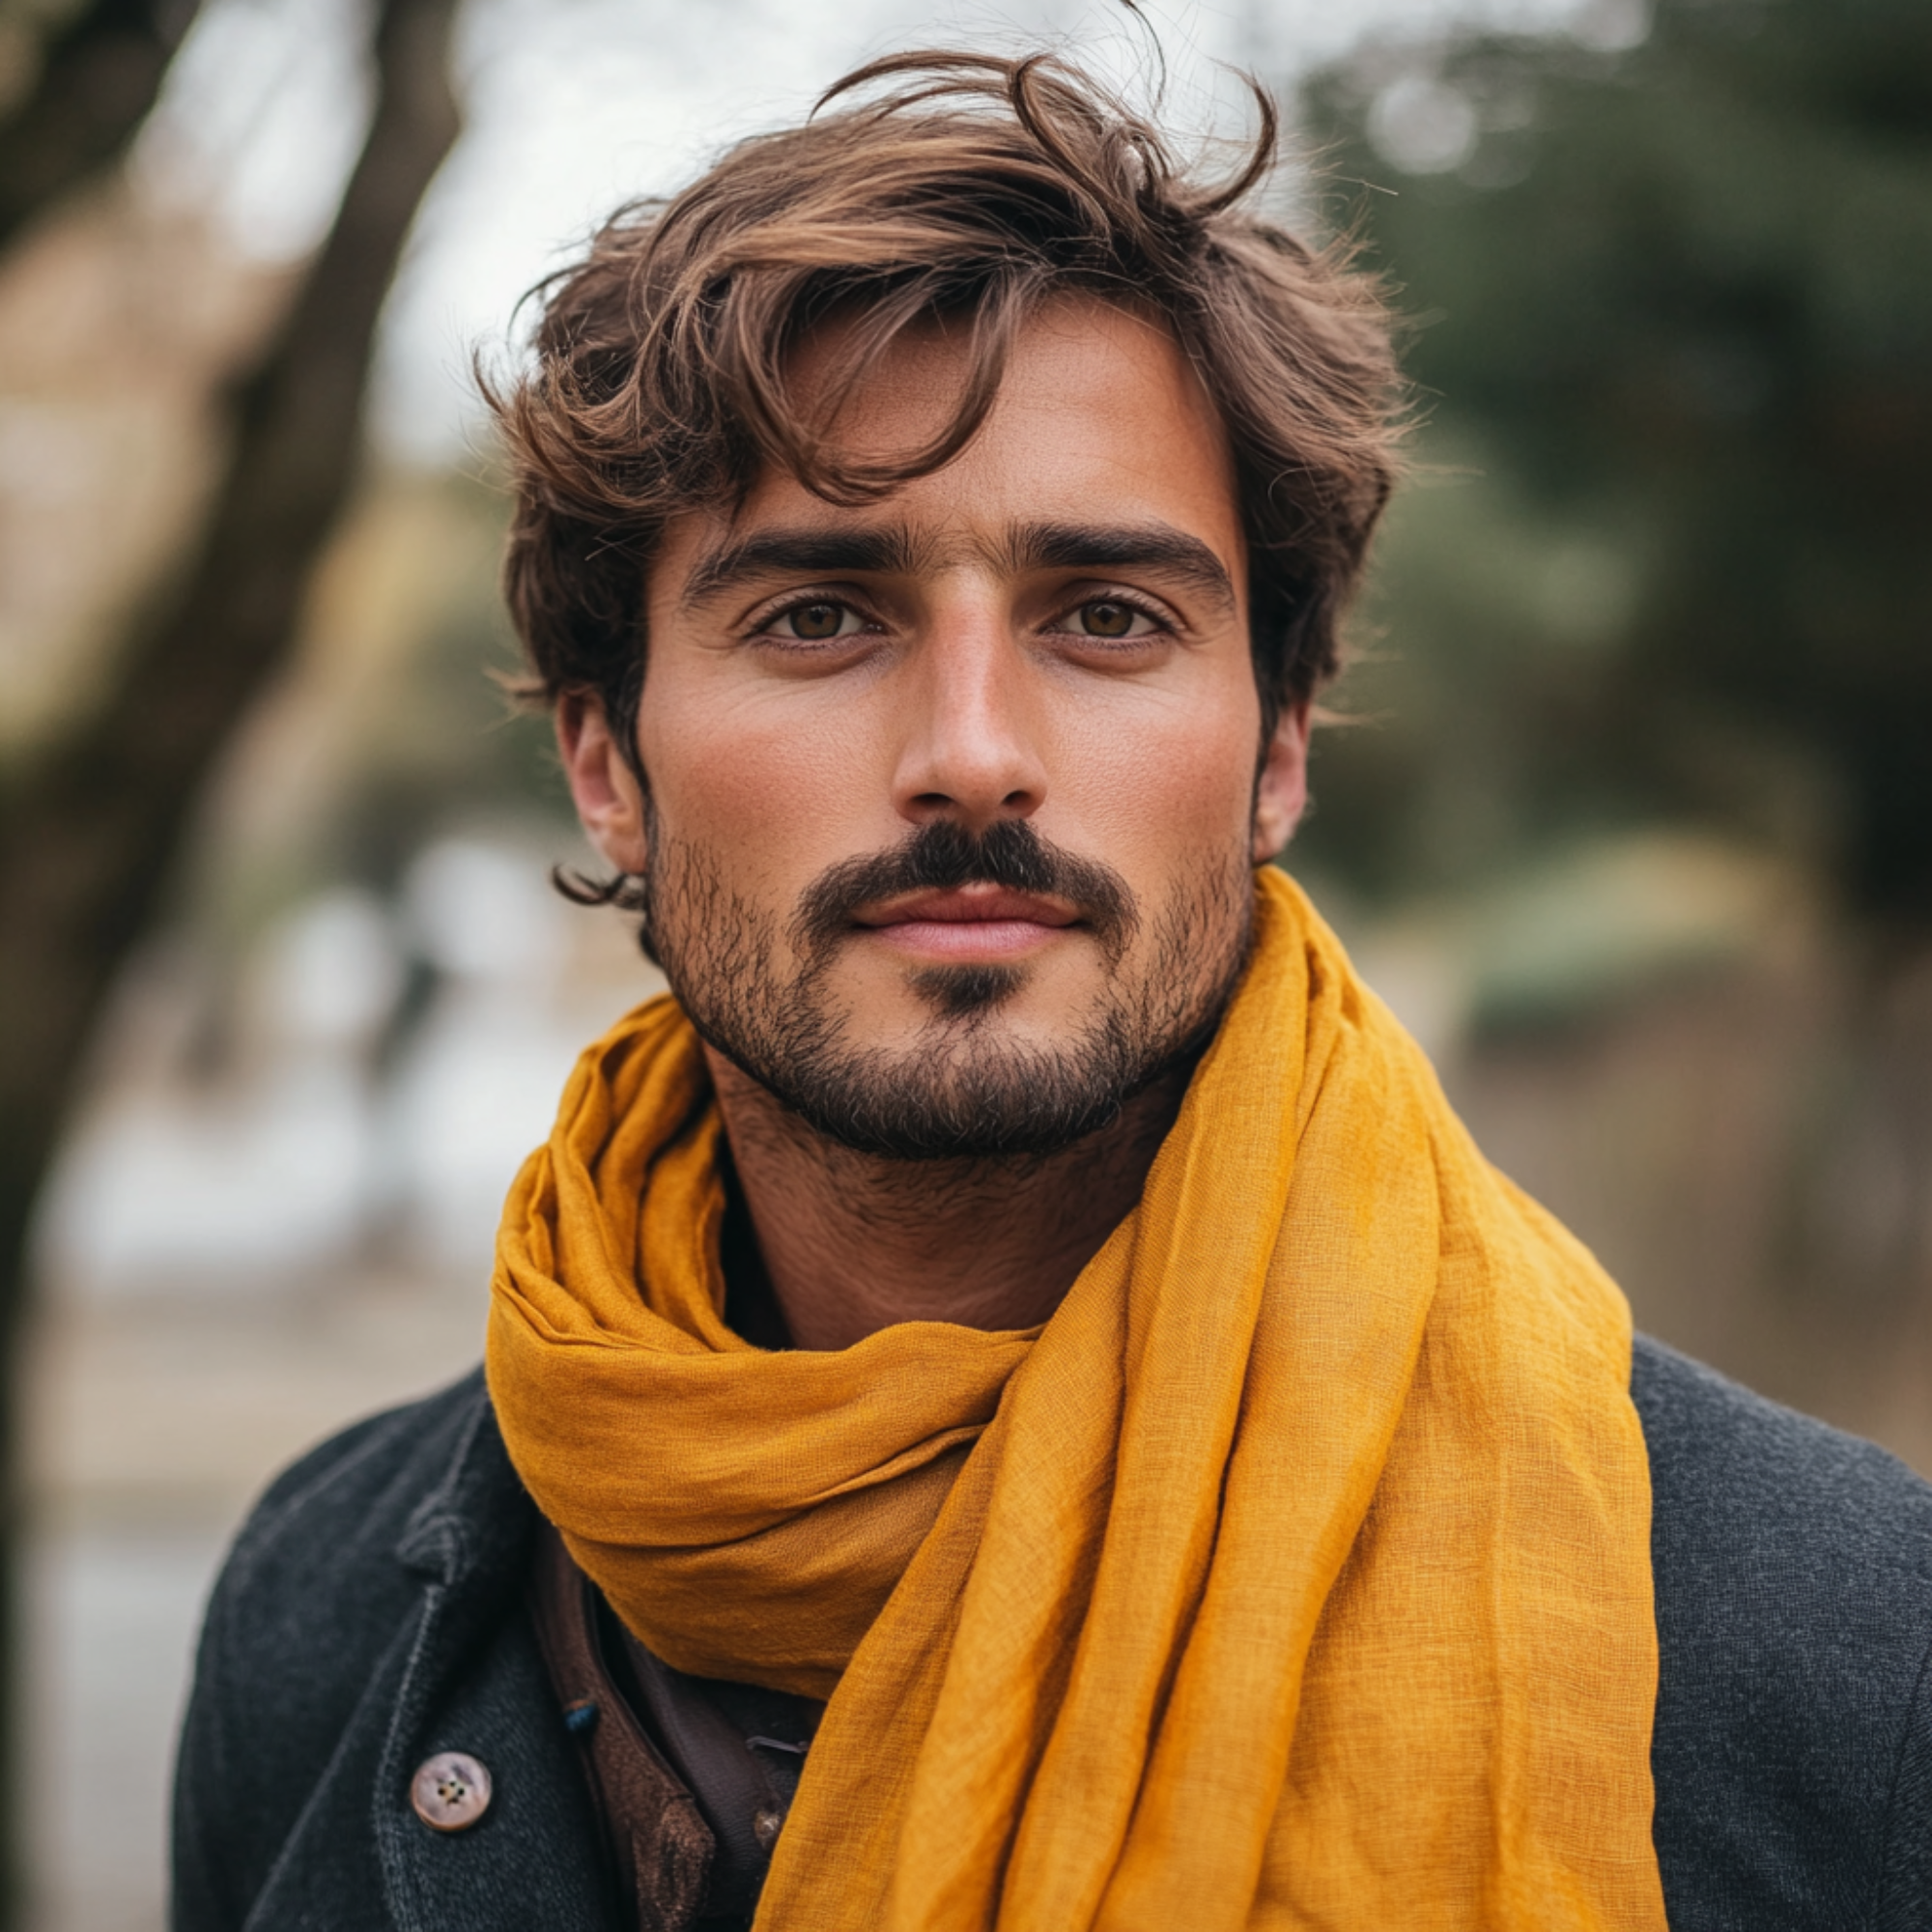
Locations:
{"points": [[972, 745]]}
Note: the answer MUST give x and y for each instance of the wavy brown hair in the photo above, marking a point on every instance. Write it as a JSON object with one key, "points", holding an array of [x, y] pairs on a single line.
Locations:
{"points": [[951, 184]]}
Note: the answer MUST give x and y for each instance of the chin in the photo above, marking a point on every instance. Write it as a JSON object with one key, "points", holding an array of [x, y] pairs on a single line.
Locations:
{"points": [[967, 990]]}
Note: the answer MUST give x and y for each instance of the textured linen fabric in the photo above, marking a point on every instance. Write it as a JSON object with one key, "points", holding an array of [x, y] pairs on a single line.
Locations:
{"points": [[1296, 1572], [372, 1612]]}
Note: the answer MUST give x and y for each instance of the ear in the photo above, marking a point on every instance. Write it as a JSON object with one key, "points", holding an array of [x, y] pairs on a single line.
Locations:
{"points": [[1281, 792], [610, 802]]}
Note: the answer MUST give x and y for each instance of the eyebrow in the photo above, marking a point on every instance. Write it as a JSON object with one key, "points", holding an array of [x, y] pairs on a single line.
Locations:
{"points": [[1156, 546], [797, 552], [891, 549]]}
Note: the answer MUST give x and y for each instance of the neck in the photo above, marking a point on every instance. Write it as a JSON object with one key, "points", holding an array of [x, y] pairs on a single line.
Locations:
{"points": [[852, 1242]]}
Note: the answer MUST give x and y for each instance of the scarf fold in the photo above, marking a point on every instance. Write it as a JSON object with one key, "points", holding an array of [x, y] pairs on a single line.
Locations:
{"points": [[1295, 1573]]}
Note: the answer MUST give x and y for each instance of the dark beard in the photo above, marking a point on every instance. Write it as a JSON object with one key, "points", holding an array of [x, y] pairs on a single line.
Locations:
{"points": [[963, 1093]]}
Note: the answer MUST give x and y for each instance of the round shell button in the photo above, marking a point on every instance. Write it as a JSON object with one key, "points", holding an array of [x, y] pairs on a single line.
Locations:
{"points": [[450, 1791]]}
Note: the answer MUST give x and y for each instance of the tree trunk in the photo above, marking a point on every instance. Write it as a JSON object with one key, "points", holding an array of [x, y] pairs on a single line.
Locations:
{"points": [[98, 75], [95, 825]]}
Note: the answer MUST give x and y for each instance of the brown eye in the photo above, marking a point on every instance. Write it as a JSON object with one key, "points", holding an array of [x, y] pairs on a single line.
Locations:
{"points": [[815, 621], [1104, 619]]}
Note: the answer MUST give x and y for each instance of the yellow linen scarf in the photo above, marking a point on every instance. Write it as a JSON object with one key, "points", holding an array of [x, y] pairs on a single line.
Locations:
{"points": [[1295, 1573]]}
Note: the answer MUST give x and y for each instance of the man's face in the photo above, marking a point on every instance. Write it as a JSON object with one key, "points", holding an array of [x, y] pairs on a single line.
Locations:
{"points": [[954, 799]]}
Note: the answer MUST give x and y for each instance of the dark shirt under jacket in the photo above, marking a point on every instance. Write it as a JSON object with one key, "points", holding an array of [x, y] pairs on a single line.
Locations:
{"points": [[375, 1612]]}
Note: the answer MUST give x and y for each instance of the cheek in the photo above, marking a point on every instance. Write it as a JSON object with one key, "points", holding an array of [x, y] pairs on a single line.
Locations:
{"points": [[1166, 792], [765, 787]]}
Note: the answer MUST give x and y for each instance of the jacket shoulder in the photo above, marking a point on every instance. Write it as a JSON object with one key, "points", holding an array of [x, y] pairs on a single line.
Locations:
{"points": [[361, 1463], [1792, 1751], [323, 1558]]}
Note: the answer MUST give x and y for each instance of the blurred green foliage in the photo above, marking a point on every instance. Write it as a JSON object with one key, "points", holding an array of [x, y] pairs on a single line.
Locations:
{"points": [[1668, 555]]}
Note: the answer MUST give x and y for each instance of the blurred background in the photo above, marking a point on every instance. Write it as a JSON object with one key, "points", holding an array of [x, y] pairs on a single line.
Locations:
{"points": [[1627, 808]]}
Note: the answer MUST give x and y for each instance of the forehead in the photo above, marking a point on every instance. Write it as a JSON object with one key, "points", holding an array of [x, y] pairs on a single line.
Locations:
{"points": [[1101, 420]]}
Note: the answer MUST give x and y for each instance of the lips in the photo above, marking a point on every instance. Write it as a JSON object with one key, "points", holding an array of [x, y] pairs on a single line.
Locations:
{"points": [[976, 921]]}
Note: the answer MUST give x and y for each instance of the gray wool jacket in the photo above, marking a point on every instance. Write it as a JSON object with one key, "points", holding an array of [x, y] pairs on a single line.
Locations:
{"points": [[375, 1612]]}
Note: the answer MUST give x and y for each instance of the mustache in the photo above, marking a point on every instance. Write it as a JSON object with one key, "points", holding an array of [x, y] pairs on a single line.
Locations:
{"points": [[943, 855]]}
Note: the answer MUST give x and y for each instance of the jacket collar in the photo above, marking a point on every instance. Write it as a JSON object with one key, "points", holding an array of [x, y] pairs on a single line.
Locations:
{"points": [[471, 1529]]}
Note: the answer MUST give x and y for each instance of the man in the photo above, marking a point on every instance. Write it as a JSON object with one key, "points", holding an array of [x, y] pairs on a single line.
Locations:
{"points": [[1012, 1401]]}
